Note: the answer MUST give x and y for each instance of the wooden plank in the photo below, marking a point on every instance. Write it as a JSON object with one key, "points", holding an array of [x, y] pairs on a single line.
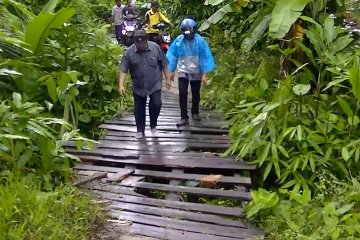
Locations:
{"points": [[131, 181], [169, 135], [175, 146], [196, 207], [165, 139], [168, 122], [177, 214], [90, 178], [127, 154], [90, 167], [86, 173], [211, 229], [92, 157], [196, 191], [172, 234], [155, 147], [113, 189], [120, 175], [189, 176], [165, 128], [171, 195]]}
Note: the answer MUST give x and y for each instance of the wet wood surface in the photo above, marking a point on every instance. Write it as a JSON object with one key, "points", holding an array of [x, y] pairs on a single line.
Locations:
{"points": [[164, 184]]}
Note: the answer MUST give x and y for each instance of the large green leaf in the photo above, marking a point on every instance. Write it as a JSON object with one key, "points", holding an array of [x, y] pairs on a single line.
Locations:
{"points": [[50, 6], [234, 6], [354, 72], [256, 33], [213, 2], [39, 29], [284, 15]]}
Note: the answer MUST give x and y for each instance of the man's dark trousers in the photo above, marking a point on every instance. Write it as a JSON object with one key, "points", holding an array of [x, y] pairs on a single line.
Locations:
{"points": [[140, 110], [183, 96]]}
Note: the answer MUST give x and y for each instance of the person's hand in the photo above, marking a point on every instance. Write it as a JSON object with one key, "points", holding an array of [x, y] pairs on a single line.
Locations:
{"points": [[168, 83], [122, 90], [204, 80], [172, 76]]}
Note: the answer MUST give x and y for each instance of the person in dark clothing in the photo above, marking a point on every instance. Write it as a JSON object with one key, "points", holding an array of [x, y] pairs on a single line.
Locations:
{"points": [[130, 9], [146, 61]]}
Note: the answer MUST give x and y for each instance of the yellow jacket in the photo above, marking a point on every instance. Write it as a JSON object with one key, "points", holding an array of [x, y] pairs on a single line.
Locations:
{"points": [[152, 19]]}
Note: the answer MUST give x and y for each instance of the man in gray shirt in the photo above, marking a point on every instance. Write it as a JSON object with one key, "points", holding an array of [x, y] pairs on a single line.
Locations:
{"points": [[146, 62]]}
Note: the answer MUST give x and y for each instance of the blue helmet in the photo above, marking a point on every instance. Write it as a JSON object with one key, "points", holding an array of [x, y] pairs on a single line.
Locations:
{"points": [[188, 28]]}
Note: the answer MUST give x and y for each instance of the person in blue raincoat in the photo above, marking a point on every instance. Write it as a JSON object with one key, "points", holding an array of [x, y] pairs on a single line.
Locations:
{"points": [[191, 56]]}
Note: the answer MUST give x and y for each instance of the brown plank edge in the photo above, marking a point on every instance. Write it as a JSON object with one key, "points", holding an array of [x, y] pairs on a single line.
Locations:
{"points": [[196, 207], [177, 214], [196, 191], [210, 229], [167, 163]]}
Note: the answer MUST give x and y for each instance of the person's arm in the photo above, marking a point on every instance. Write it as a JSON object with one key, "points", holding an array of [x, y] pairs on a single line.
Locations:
{"points": [[164, 18], [122, 77], [147, 19], [207, 62], [112, 16], [123, 69], [172, 58]]}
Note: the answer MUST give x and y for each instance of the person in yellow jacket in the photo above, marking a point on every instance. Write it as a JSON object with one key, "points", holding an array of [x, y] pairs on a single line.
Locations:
{"points": [[153, 17]]}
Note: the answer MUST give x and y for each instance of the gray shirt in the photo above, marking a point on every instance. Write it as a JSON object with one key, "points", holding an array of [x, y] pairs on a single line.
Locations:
{"points": [[145, 68]]}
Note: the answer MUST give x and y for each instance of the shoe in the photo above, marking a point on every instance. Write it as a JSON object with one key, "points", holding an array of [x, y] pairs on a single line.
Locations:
{"points": [[154, 132], [183, 122], [139, 135], [196, 117]]}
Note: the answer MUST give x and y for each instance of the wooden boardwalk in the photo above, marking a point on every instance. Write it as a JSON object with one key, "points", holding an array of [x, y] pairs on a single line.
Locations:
{"points": [[163, 185]]}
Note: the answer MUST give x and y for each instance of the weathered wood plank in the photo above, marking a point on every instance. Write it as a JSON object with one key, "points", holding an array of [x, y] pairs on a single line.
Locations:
{"points": [[171, 195], [172, 234], [196, 207], [189, 176], [176, 134], [196, 191], [211, 229], [90, 178], [165, 128], [185, 163], [168, 122], [177, 214], [165, 139], [120, 175], [113, 189], [131, 181], [140, 146]]}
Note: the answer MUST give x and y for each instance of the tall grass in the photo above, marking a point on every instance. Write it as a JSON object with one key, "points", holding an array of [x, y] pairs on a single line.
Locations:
{"points": [[27, 212]]}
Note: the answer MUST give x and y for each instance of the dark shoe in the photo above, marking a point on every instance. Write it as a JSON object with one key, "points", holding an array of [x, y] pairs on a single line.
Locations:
{"points": [[183, 122], [196, 117]]}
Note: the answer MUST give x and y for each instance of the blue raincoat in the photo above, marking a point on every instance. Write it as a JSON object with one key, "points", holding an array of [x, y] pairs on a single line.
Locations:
{"points": [[190, 56]]}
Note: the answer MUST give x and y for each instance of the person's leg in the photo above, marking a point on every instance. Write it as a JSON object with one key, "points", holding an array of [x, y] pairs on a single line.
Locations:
{"points": [[183, 96], [195, 91], [140, 112], [154, 108], [118, 33]]}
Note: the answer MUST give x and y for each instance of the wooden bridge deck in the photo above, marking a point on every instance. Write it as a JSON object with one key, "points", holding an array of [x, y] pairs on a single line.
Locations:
{"points": [[163, 185]]}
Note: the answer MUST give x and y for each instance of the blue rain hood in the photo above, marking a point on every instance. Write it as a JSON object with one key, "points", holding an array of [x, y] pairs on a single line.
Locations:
{"points": [[190, 56]]}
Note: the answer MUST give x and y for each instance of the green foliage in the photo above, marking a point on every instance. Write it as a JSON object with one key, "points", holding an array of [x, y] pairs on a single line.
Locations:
{"points": [[29, 213], [332, 213], [291, 130], [285, 13], [29, 144], [69, 68]]}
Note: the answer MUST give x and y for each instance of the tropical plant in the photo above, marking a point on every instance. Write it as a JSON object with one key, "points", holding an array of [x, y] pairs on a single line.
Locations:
{"points": [[29, 142], [294, 129]]}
